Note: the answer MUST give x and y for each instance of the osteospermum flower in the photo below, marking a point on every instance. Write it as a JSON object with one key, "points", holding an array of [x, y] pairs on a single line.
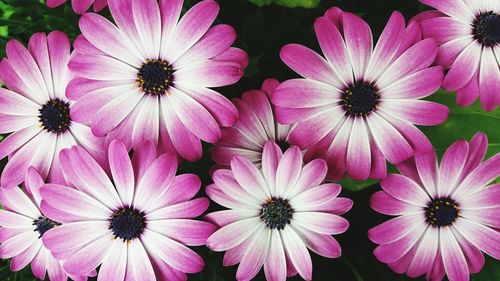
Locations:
{"points": [[36, 111], [256, 125], [447, 216], [469, 36], [358, 107], [148, 78], [22, 225], [80, 6], [276, 214], [136, 226]]}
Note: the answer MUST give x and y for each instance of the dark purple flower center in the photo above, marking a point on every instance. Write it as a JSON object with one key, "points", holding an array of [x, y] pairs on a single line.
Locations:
{"points": [[127, 223], [54, 116], [441, 212], [276, 213], [360, 99], [155, 77], [283, 144], [487, 28], [43, 224]]}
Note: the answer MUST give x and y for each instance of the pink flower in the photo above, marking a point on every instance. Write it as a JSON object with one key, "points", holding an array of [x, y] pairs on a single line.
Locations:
{"points": [[256, 125], [148, 78], [469, 36], [80, 6], [358, 107], [446, 216], [36, 111], [134, 227], [276, 214], [22, 227]]}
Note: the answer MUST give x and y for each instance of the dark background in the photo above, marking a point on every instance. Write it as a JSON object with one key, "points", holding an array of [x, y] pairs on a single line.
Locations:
{"points": [[262, 31]]}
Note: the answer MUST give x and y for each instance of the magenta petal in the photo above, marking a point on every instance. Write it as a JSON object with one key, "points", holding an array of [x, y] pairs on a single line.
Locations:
{"points": [[489, 80], [453, 258], [405, 189], [358, 39], [463, 68], [308, 64], [388, 205], [275, 263]]}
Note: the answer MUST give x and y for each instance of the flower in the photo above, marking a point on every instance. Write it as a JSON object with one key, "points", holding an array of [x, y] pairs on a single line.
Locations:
{"points": [[136, 228], [80, 6], [22, 225], [36, 110], [148, 78], [254, 128], [446, 216], [276, 214], [358, 107], [469, 36]]}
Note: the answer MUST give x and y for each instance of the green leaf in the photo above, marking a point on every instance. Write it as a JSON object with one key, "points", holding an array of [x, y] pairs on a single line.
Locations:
{"points": [[288, 3], [490, 271], [463, 123]]}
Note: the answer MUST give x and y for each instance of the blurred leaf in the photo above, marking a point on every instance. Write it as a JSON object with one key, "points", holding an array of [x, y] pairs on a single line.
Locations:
{"points": [[353, 185], [288, 3], [490, 271], [463, 123]]}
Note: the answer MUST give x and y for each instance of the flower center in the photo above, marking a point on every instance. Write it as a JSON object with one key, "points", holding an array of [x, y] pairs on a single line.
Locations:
{"points": [[155, 77], [360, 99], [487, 28], [441, 212], [54, 116], [43, 224], [283, 144], [127, 223], [276, 213]]}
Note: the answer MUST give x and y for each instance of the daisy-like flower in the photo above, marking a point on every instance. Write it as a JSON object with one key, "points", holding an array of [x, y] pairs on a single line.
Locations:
{"points": [[22, 227], [148, 78], [256, 125], [447, 216], [358, 107], [35, 110], [80, 6], [275, 214], [469, 36], [134, 227]]}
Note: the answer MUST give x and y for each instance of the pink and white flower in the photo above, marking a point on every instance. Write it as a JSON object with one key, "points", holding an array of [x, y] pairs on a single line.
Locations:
{"points": [[22, 227], [134, 227], [257, 125], [446, 216], [357, 108], [80, 6], [35, 110], [148, 76], [275, 214], [469, 36]]}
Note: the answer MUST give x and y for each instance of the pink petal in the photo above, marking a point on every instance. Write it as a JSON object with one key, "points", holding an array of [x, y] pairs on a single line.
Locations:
{"points": [[173, 253], [297, 252], [489, 80], [308, 64], [193, 25], [388, 205], [394, 229], [390, 142], [451, 167], [387, 46], [358, 38], [405, 189], [333, 46], [462, 70], [275, 262], [453, 259], [255, 254]]}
